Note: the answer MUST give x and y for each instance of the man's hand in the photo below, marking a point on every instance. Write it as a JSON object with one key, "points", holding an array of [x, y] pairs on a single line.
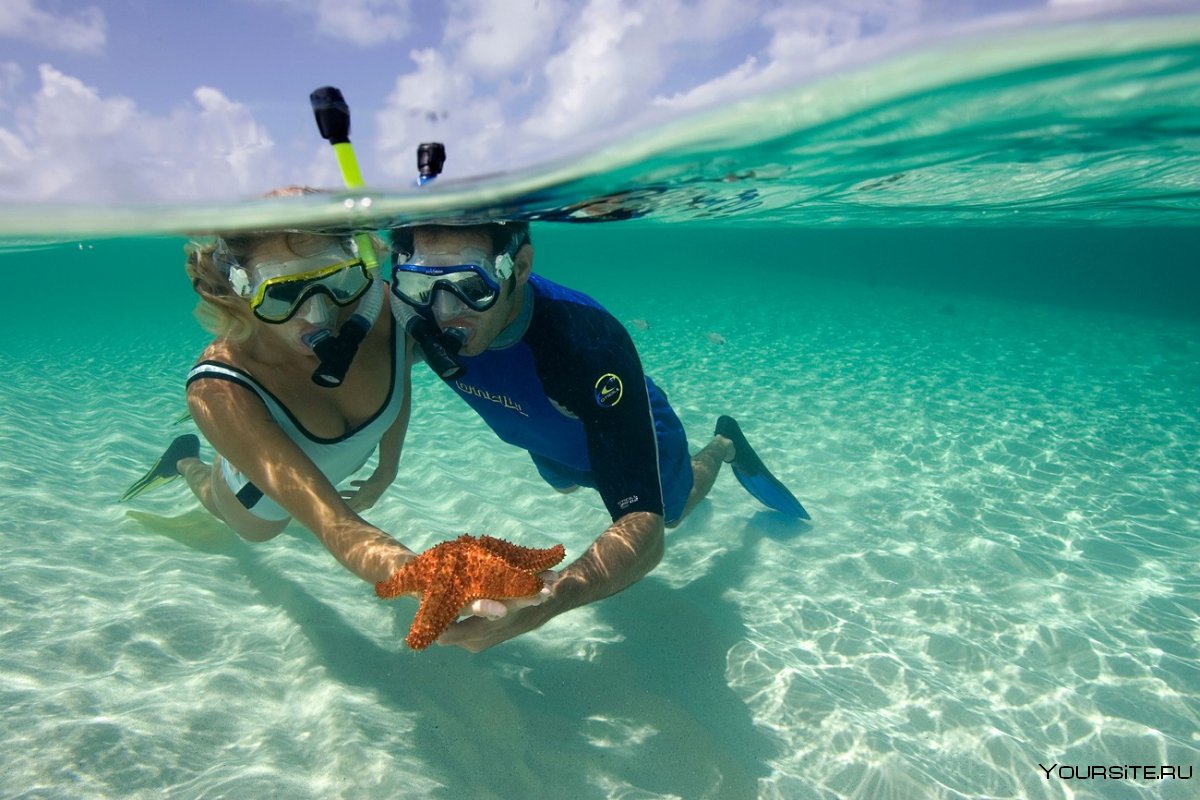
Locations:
{"points": [[495, 609], [630, 548], [497, 621]]}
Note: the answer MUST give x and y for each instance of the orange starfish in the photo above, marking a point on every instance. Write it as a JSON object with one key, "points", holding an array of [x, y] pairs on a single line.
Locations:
{"points": [[453, 574]]}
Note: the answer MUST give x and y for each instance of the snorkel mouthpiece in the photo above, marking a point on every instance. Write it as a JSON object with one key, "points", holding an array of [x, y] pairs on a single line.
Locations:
{"points": [[336, 353], [439, 347]]}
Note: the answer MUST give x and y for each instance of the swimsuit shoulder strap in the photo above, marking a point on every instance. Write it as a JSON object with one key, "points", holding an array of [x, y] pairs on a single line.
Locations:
{"points": [[217, 369]]}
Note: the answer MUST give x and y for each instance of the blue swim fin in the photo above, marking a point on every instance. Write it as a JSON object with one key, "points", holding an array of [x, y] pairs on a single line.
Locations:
{"points": [[164, 470], [754, 476]]}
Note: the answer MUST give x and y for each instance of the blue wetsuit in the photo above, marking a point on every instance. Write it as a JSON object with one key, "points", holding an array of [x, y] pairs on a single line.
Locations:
{"points": [[564, 382]]}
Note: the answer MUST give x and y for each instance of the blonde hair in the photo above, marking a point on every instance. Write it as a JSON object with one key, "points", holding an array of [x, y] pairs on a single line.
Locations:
{"points": [[221, 310]]}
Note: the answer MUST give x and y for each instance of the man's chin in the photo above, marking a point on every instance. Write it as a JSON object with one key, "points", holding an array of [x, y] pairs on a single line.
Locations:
{"points": [[469, 349]]}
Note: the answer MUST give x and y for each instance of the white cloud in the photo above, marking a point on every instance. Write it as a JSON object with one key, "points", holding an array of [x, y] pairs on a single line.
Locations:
{"points": [[364, 22], [619, 54], [438, 102], [506, 38], [226, 143], [819, 35], [84, 31], [14, 154], [599, 72], [804, 39], [361, 22], [733, 83], [71, 144], [518, 83], [591, 78]]}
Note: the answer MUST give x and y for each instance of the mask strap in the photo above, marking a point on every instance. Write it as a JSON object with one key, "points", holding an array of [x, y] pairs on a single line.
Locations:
{"points": [[226, 262], [503, 264]]}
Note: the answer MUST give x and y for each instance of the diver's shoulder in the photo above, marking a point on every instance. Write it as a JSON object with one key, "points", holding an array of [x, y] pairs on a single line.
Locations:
{"points": [[220, 351], [547, 292]]}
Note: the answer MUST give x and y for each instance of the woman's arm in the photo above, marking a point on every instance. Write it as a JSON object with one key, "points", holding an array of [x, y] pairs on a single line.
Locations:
{"points": [[237, 424]]}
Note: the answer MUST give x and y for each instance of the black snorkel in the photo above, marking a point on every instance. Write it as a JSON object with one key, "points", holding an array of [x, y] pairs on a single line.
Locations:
{"points": [[431, 157], [336, 353], [440, 349]]}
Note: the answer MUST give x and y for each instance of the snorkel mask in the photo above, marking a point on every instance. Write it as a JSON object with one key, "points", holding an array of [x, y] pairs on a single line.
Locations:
{"points": [[278, 288], [471, 275]]}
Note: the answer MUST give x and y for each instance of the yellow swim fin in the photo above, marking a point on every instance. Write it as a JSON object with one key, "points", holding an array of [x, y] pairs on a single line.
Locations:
{"points": [[164, 470]]}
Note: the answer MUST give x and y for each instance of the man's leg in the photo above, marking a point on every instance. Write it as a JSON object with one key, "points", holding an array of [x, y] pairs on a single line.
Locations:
{"points": [[706, 465]]}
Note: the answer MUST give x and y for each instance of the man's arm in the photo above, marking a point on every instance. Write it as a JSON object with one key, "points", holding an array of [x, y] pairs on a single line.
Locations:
{"points": [[605, 388], [622, 555]]}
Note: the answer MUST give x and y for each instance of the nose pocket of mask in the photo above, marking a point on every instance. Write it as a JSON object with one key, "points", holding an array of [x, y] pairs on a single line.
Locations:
{"points": [[317, 309]]}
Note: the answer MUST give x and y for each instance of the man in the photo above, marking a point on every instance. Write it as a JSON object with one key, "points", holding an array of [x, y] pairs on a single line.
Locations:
{"points": [[552, 372]]}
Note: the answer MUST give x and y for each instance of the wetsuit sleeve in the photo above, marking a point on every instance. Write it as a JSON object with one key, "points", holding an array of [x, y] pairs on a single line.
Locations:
{"points": [[591, 368]]}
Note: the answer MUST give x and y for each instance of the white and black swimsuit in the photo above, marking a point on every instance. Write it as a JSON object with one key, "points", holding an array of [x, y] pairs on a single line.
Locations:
{"points": [[337, 458]]}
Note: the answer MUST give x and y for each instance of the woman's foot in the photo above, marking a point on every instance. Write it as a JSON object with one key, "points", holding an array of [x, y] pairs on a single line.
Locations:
{"points": [[166, 469]]}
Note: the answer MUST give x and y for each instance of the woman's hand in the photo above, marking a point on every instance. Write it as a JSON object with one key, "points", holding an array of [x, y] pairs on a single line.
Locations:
{"points": [[366, 493]]}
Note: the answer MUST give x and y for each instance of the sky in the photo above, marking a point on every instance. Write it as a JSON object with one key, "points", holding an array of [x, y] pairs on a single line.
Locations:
{"points": [[136, 101]]}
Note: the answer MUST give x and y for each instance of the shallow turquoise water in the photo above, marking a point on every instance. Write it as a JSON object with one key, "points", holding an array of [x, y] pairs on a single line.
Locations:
{"points": [[995, 428], [1000, 571]]}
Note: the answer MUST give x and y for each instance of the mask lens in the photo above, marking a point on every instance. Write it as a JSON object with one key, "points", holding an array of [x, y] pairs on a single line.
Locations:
{"points": [[416, 283], [278, 298]]}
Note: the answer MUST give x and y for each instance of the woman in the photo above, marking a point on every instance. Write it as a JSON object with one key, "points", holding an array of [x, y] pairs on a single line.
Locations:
{"points": [[283, 441]]}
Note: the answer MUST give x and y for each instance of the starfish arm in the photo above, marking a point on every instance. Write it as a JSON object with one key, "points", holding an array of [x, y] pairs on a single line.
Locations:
{"points": [[403, 581], [489, 576], [532, 559], [435, 613]]}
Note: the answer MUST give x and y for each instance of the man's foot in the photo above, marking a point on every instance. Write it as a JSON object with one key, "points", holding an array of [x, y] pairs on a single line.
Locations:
{"points": [[754, 476], [165, 469]]}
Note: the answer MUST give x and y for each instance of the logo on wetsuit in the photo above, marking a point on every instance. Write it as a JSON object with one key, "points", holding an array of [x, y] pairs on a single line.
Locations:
{"points": [[609, 390], [499, 399]]}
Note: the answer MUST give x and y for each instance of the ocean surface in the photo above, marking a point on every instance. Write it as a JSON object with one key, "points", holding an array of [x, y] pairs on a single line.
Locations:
{"points": [[953, 302]]}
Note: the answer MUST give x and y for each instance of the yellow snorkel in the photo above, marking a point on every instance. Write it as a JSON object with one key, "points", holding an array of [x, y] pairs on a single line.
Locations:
{"points": [[335, 353], [333, 120]]}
